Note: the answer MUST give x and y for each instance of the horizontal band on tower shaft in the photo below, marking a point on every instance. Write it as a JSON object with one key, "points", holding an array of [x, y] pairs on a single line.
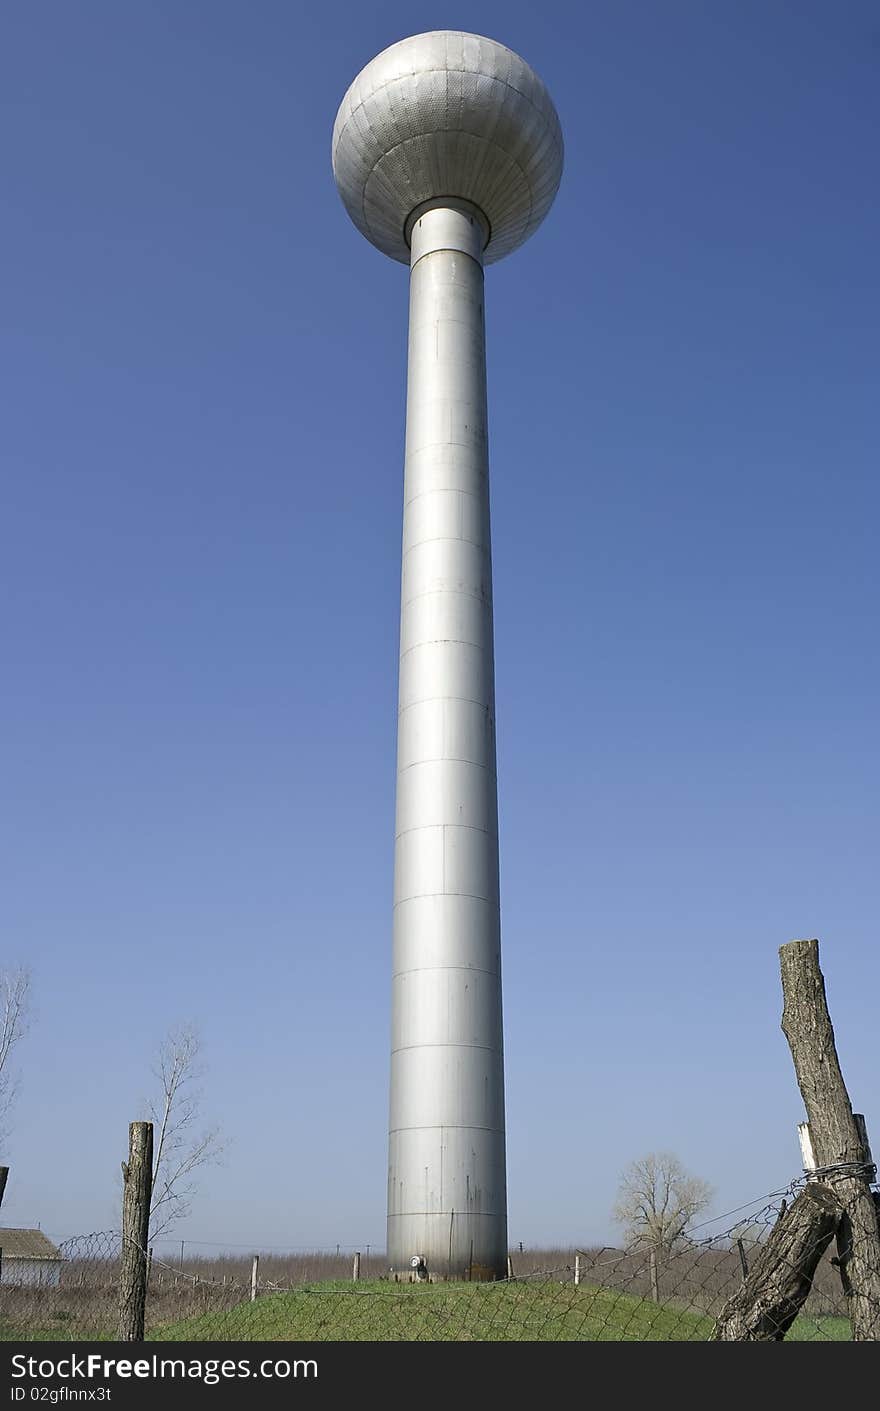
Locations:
{"points": [[443, 1213], [423, 896], [447, 223], [447, 1127], [446, 1043], [443, 759], [442, 969]]}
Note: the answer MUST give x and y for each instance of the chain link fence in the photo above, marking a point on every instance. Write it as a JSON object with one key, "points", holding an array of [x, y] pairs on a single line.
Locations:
{"points": [[607, 1294]]}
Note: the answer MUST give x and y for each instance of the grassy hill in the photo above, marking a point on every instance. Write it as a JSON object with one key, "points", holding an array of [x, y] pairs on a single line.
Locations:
{"points": [[548, 1310], [517, 1312]]}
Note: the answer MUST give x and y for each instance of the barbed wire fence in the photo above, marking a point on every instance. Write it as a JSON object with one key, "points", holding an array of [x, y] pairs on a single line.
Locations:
{"points": [[802, 1264], [639, 1295]]}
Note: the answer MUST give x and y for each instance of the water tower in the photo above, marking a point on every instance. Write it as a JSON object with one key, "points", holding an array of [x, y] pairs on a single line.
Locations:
{"points": [[447, 153]]}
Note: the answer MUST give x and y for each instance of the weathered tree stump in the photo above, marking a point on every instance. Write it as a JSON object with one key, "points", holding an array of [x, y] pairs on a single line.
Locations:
{"points": [[781, 1276], [842, 1156]]}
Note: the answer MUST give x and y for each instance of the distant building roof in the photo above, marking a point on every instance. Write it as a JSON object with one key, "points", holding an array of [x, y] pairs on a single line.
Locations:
{"points": [[27, 1244]]}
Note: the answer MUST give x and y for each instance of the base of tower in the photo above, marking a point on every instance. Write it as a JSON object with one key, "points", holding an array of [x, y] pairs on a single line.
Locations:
{"points": [[470, 1247], [480, 1274]]}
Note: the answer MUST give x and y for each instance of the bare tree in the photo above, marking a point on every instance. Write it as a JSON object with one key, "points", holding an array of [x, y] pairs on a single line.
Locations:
{"points": [[14, 1004], [658, 1201], [181, 1146]]}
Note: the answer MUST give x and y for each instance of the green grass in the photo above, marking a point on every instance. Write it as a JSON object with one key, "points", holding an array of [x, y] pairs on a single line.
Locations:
{"points": [[383, 1312], [820, 1330], [517, 1312], [53, 1332]]}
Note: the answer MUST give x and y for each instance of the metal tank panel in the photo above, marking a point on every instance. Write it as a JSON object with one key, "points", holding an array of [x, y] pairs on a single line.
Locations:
{"points": [[447, 114]]}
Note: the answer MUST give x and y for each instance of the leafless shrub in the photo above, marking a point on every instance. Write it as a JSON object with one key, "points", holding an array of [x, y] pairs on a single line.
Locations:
{"points": [[180, 1147]]}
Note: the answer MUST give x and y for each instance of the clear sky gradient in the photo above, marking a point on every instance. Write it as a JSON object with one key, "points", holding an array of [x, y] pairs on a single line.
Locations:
{"points": [[202, 368]]}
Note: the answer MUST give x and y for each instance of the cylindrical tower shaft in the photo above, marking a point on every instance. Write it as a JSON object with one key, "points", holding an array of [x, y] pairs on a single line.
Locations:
{"points": [[446, 1176], [447, 153]]}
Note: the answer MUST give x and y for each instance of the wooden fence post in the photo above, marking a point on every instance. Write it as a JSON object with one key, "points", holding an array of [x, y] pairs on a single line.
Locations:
{"points": [[838, 1141], [768, 1301], [4, 1176], [137, 1174], [655, 1287], [509, 1267], [254, 1271], [577, 1268], [356, 1268]]}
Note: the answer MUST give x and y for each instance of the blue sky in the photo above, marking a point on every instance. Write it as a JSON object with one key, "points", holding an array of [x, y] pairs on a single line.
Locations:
{"points": [[202, 366]]}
